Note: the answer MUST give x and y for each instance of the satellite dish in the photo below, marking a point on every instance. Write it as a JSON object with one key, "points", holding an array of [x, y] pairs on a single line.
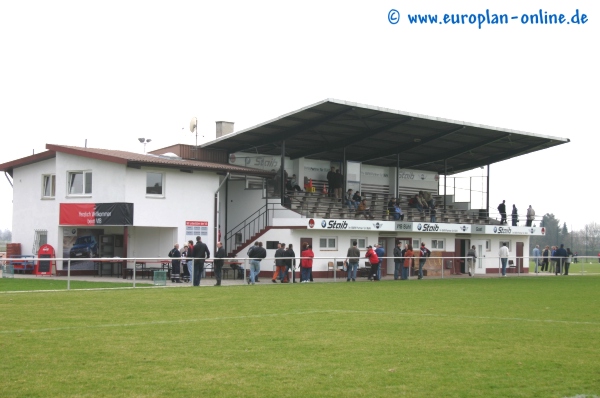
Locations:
{"points": [[193, 124]]}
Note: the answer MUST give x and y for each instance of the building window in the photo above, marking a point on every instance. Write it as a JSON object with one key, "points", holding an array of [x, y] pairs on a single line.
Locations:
{"points": [[437, 244], [39, 239], [361, 242], [48, 185], [154, 183], [328, 243], [79, 183], [488, 245], [416, 243], [507, 244]]}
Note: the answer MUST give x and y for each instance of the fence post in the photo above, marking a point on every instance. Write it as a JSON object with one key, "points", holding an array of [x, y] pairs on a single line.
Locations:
{"points": [[69, 274], [135, 261], [334, 268], [442, 267]]}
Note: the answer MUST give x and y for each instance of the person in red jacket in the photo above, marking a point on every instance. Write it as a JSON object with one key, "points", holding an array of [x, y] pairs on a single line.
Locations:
{"points": [[306, 262], [374, 260]]}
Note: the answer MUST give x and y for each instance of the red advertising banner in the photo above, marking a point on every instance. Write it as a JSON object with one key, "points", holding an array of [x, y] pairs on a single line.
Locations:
{"points": [[90, 214], [197, 223]]}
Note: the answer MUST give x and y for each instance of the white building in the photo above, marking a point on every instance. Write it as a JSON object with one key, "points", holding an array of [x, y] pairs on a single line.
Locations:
{"points": [[382, 153]]}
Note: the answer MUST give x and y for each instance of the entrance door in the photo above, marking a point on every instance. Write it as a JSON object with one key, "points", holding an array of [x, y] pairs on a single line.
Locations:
{"points": [[460, 250], [520, 256]]}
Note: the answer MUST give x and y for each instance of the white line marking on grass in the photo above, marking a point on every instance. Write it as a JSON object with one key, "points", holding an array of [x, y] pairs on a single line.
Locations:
{"points": [[467, 317], [123, 325]]}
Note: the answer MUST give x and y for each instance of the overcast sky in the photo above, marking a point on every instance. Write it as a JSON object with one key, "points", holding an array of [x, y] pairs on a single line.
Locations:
{"points": [[113, 71]]}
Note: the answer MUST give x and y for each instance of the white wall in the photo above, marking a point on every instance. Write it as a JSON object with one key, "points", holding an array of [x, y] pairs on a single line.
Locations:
{"points": [[30, 211]]}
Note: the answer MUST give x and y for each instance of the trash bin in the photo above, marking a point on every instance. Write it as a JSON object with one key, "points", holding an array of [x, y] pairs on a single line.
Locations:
{"points": [[449, 264], [160, 278], [8, 271]]}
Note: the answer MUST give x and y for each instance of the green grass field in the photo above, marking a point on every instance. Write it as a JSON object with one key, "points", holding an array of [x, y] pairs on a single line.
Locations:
{"points": [[477, 337]]}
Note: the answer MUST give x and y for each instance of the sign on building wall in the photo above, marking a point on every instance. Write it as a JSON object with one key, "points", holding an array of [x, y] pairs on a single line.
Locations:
{"points": [[418, 179], [262, 162], [196, 228], [94, 214]]}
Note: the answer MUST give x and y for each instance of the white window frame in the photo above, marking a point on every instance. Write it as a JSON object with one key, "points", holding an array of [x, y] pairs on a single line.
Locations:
{"points": [[488, 245], [162, 179], [357, 239], [52, 179], [416, 244], [328, 242], [85, 174], [507, 244], [435, 244]]}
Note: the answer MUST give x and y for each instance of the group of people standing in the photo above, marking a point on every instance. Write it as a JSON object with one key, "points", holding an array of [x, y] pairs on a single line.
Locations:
{"points": [[515, 215], [554, 259], [193, 268]]}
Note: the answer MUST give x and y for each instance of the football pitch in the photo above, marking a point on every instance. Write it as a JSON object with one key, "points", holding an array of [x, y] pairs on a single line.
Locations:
{"points": [[477, 337]]}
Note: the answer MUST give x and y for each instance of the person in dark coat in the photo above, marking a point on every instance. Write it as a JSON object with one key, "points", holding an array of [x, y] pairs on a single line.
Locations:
{"points": [[219, 263], [201, 253], [502, 211], [561, 256], [175, 264], [515, 216], [290, 263]]}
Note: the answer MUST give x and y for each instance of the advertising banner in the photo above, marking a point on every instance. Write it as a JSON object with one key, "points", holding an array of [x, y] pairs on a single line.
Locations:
{"points": [[508, 230], [93, 214]]}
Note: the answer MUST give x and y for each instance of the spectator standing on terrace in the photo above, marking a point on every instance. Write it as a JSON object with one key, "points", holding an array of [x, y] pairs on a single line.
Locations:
{"points": [[190, 263], [290, 263], [503, 254], [256, 254], [472, 260], [515, 216], [408, 258], [432, 213], [568, 261], [380, 253], [398, 260], [279, 263], [553, 259], [502, 211], [338, 184], [423, 258], [353, 257], [364, 209], [536, 257], [201, 253], [175, 264], [306, 262], [545, 258], [561, 256], [373, 260], [530, 216], [185, 273], [331, 181], [220, 254], [350, 201]]}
